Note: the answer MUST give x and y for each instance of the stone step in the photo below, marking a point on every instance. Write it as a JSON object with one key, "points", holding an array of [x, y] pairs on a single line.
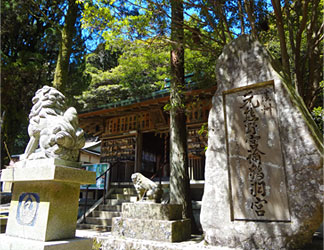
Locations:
{"points": [[133, 199], [100, 228], [152, 211], [125, 197], [119, 196], [105, 214], [122, 185], [126, 191], [113, 202], [115, 208], [98, 221]]}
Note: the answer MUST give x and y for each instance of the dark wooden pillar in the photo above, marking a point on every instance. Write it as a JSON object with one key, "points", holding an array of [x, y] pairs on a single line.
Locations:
{"points": [[138, 152]]}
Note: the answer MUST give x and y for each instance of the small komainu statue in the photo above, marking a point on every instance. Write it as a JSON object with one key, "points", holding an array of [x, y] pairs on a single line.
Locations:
{"points": [[53, 128], [146, 188]]}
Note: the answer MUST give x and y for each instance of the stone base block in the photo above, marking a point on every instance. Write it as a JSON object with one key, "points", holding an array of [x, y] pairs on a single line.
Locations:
{"points": [[45, 199], [43, 211], [158, 230], [47, 170], [152, 211], [14, 243], [118, 243]]}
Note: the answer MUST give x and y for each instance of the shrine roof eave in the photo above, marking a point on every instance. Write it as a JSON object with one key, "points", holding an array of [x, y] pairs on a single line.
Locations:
{"points": [[156, 99]]}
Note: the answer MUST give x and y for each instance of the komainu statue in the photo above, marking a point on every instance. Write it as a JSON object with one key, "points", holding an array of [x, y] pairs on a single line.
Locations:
{"points": [[146, 188], [53, 128]]}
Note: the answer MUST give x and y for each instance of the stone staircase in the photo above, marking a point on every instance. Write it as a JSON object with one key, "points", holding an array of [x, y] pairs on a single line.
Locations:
{"points": [[99, 216]]}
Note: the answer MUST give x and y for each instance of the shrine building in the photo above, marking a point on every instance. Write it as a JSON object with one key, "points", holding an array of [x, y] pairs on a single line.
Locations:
{"points": [[134, 134]]}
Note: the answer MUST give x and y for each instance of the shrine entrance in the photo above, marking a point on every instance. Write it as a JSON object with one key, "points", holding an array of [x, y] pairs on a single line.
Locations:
{"points": [[155, 156]]}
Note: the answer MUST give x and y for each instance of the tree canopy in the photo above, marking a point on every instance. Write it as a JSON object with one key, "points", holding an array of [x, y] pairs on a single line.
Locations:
{"points": [[291, 30], [118, 74], [145, 42], [30, 35], [134, 60]]}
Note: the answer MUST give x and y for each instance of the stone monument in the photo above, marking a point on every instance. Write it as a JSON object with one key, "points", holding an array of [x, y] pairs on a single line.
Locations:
{"points": [[148, 220], [264, 175], [45, 199]]}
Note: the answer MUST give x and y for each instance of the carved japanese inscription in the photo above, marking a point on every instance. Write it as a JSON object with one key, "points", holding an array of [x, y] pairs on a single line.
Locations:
{"points": [[255, 160]]}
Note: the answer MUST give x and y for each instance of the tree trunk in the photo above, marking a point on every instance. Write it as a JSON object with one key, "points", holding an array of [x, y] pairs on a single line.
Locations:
{"points": [[241, 14], [280, 26], [250, 12], [63, 61], [179, 179]]}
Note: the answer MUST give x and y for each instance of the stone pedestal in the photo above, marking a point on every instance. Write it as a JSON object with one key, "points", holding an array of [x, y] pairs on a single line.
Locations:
{"points": [[44, 205], [152, 221]]}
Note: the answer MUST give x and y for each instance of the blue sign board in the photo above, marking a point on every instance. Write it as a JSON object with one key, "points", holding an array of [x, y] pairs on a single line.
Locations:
{"points": [[99, 168]]}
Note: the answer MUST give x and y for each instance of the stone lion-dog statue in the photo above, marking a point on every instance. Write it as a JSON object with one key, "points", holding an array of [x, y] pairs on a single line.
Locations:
{"points": [[53, 127], [146, 189]]}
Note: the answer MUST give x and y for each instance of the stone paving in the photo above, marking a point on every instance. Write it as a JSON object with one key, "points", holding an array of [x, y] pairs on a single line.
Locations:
{"points": [[110, 242]]}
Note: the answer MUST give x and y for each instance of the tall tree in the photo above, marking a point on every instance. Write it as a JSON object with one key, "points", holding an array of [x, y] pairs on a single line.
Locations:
{"points": [[282, 37], [29, 50], [179, 178], [297, 26], [149, 21], [219, 22], [65, 49]]}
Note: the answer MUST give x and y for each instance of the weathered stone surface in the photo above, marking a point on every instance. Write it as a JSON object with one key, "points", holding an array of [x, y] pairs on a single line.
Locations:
{"points": [[46, 162], [117, 243], [45, 199], [47, 170], [14, 243], [43, 211], [53, 127], [159, 230], [257, 177], [293, 177], [152, 211]]}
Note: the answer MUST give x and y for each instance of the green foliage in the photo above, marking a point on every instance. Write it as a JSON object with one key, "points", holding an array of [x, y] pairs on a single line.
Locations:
{"points": [[30, 33], [202, 65], [119, 21], [96, 245], [138, 71], [167, 107], [318, 116], [203, 131], [27, 47], [210, 25]]}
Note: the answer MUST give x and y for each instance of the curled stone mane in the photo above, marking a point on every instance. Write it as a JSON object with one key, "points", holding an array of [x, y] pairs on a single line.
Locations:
{"points": [[53, 127]]}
